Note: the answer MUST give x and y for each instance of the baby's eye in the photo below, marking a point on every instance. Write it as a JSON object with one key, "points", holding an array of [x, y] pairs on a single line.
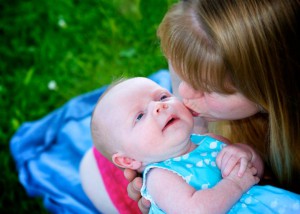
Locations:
{"points": [[163, 97], [139, 117]]}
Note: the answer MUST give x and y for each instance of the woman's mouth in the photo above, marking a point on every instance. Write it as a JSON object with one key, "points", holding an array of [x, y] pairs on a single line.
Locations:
{"points": [[195, 114]]}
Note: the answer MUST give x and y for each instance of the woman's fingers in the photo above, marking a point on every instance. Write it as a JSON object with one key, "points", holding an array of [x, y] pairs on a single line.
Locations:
{"points": [[133, 189], [144, 205], [130, 174]]}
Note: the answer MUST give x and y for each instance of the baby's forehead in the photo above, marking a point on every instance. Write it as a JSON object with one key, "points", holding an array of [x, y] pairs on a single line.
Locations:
{"points": [[137, 81], [136, 85], [124, 96]]}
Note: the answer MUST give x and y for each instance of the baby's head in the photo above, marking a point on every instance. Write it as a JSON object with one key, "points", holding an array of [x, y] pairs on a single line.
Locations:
{"points": [[137, 122]]}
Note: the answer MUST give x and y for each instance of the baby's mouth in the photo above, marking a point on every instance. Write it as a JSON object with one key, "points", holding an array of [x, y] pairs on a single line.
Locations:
{"points": [[170, 122]]}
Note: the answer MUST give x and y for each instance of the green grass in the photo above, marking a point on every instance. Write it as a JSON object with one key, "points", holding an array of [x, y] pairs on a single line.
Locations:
{"points": [[80, 45]]}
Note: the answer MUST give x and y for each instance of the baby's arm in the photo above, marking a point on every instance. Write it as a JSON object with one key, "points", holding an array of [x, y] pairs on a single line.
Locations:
{"points": [[173, 195], [241, 154]]}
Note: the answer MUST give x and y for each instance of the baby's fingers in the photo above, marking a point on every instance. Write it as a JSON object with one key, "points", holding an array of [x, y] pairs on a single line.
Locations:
{"points": [[253, 171], [228, 166], [243, 166]]}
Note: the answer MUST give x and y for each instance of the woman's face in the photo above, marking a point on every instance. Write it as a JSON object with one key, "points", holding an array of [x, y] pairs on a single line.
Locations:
{"points": [[215, 106]]}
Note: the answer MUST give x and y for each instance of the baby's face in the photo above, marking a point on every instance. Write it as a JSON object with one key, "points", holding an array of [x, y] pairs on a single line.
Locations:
{"points": [[150, 123]]}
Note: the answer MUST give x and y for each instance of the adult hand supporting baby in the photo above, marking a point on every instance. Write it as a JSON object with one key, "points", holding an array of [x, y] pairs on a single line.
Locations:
{"points": [[133, 189]]}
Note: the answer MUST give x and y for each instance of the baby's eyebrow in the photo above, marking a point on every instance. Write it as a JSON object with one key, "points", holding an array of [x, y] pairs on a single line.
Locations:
{"points": [[162, 90], [130, 118], [134, 110]]}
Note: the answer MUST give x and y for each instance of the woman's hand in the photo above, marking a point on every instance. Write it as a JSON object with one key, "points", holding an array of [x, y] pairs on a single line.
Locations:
{"points": [[134, 188]]}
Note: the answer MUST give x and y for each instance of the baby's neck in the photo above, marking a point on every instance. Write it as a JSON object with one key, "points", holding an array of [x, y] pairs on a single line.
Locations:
{"points": [[189, 149], [192, 147]]}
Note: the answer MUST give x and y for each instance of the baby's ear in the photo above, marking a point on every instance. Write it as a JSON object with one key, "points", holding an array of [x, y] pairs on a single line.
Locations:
{"points": [[126, 162]]}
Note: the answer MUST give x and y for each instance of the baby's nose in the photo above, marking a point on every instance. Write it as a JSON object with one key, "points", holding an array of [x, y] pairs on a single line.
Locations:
{"points": [[160, 106]]}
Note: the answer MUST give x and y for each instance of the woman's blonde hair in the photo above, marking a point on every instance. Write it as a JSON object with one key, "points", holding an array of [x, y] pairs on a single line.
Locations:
{"points": [[253, 46]]}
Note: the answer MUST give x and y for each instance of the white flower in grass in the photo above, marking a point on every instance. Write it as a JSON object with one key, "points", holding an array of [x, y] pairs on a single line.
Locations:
{"points": [[52, 85], [62, 23]]}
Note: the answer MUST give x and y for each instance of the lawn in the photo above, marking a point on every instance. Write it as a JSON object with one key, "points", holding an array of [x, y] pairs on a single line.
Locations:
{"points": [[53, 50]]}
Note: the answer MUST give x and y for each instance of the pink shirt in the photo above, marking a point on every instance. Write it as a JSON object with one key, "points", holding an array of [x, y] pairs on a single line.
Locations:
{"points": [[115, 184]]}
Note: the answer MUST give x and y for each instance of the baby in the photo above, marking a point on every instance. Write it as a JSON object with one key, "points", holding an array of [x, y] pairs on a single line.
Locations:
{"points": [[137, 124]]}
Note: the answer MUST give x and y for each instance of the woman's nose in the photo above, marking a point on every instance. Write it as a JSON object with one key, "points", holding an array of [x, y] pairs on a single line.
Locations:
{"points": [[159, 107], [187, 92]]}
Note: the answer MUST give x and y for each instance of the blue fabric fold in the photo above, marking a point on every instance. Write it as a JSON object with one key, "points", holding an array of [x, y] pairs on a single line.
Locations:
{"points": [[47, 152]]}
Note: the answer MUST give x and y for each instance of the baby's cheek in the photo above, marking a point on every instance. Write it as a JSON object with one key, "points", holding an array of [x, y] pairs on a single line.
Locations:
{"points": [[193, 105]]}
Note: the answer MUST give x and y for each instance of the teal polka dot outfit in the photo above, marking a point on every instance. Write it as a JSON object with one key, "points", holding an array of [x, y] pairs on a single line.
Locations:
{"points": [[198, 168]]}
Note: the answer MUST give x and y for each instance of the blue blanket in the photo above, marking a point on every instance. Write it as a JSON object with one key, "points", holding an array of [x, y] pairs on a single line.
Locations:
{"points": [[47, 152]]}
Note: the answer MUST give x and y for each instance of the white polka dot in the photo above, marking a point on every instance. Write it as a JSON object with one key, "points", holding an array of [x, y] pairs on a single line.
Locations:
{"points": [[214, 154], [248, 200], [188, 178], [186, 156], [244, 205], [207, 161], [189, 165], [204, 186], [213, 145], [203, 154], [168, 162], [200, 164], [213, 164], [177, 159]]}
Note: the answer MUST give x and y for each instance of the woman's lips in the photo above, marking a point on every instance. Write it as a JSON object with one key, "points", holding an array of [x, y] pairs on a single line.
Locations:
{"points": [[195, 114]]}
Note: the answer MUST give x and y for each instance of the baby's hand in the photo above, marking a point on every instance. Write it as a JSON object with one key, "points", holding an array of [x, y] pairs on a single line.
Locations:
{"points": [[245, 182], [234, 154]]}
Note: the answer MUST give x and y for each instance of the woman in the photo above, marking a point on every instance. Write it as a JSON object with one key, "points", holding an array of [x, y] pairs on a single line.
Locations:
{"points": [[239, 62]]}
